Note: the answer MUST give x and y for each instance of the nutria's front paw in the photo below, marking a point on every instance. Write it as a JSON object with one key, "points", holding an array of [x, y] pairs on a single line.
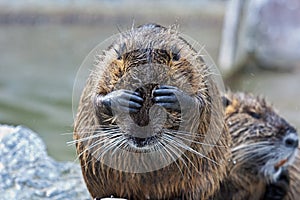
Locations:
{"points": [[280, 188], [171, 98], [120, 101]]}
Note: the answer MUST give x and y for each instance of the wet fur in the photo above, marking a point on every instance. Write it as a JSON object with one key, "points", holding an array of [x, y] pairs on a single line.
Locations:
{"points": [[288, 185], [257, 135], [294, 179], [192, 176]]}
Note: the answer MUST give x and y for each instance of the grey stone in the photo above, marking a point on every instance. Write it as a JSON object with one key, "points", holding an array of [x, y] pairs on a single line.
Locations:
{"points": [[27, 172]]}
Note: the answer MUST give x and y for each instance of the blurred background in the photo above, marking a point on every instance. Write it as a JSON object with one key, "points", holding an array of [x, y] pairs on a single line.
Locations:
{"points": [[43, 43]]}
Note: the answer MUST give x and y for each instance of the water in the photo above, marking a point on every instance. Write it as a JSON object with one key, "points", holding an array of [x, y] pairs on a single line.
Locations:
{"points": [[38, 66]]}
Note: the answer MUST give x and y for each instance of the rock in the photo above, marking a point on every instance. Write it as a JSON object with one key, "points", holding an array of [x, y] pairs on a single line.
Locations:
{"points": [[27, 172]]}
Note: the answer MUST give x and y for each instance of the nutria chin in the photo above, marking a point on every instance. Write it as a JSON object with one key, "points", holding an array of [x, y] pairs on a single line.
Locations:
{"points": [[263, 145], [149, 122]]}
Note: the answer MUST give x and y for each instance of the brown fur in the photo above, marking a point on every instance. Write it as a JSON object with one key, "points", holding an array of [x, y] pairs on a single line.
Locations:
{"points": [[294, 175], [251, 120], [189, 177]]}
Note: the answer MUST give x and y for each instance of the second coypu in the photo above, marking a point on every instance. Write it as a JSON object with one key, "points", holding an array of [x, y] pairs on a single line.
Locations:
{"points": [[263, 144], [149, 122]]}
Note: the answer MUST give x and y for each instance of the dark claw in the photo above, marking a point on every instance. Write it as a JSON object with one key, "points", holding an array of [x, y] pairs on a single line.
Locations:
{"points": [[129, 103], [167, 97], [168, 87], [120, 101], [133, 96], [106, 102], [164, 90]]}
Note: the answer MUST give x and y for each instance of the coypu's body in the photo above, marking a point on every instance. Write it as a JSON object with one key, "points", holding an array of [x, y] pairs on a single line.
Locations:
{"points": [[105, 124], [263, 145], [293, 192]]}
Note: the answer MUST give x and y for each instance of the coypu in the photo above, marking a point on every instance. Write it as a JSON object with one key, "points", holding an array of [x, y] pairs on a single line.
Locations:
{"points": [[263, 145], [149, 123]]}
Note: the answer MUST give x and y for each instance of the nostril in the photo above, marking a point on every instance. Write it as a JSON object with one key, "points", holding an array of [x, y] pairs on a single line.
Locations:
{"points": [[291, 141]]}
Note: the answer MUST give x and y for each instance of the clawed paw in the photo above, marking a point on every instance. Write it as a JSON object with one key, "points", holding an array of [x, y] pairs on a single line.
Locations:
{"points": [[122, 101], [171, 98]]}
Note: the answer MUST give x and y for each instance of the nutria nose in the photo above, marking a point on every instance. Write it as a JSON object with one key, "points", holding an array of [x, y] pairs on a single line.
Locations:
{"points": [[291, 140]]}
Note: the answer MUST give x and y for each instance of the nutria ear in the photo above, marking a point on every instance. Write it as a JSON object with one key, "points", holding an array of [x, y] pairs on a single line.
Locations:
{"points": [[151, 26], [226, 102]]}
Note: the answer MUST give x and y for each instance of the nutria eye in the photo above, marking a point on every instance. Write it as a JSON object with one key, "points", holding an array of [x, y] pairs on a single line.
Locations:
{"points": [[225, 101], [175, 56], [119, 56], [254, 115], [120, 51]]}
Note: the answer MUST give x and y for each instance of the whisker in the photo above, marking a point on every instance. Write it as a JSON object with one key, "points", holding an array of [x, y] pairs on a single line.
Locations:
{"points": [[121, 142], [191, 150], [186, 133], [182, 153], [106, 148], [252, 149], [67, 133], [104, 140], [83, 139], [89, 147], [251, 146], [98, 134], [94, 127], [164, 147], [193, 141], [260, 152]]}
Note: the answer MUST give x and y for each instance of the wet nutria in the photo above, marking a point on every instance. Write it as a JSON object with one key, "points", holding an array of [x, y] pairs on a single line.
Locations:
{"points": [[149, 124], [263, 145]]}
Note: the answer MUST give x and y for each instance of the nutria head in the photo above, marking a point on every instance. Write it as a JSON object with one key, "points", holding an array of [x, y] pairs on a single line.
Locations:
{"points": [[263, 144], [149, 123], [262, 139]]}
